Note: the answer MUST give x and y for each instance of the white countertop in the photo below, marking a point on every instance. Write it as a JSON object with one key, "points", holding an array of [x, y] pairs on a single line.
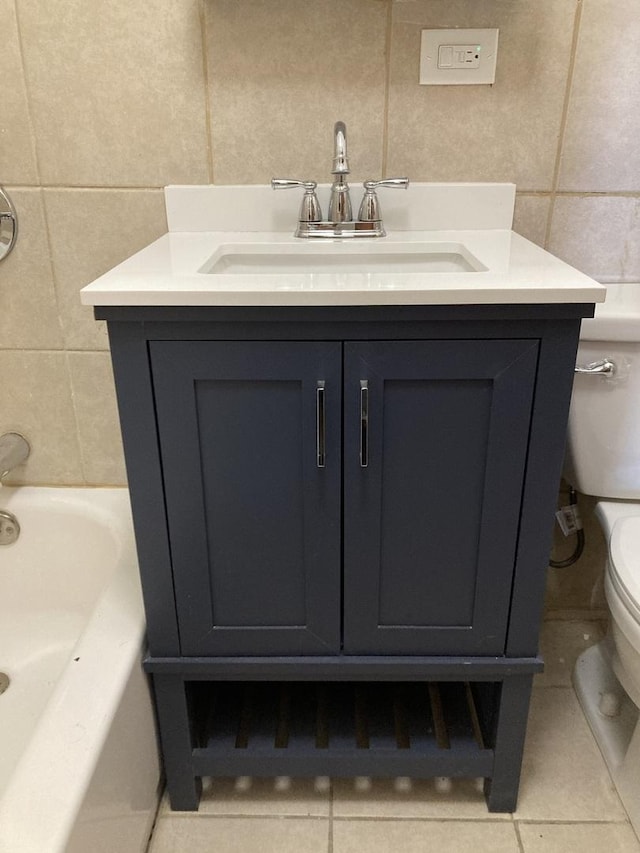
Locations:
{"points": [[513, 270]]}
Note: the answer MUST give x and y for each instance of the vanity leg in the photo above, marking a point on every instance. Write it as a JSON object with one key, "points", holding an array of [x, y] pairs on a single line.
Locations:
{"points": [[183, 786], [501, 790]]}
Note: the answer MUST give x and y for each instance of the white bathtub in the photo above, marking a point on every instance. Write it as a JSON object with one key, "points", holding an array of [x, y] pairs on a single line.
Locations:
{"points": [[79, 767]]}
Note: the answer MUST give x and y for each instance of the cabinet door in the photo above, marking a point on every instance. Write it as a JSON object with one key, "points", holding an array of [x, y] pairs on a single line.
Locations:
{"points": [[250, 437], [435, 445]]}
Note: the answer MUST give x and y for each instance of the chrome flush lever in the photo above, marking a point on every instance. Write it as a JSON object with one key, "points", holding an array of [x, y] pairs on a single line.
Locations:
{"points": [[604, 367]]}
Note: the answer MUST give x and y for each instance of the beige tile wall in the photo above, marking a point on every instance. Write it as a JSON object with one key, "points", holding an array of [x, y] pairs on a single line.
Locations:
{"points": [[110, 102]]}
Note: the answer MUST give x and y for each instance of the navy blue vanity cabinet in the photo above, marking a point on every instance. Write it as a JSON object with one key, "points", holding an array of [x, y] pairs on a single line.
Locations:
{"points": [[343, 520], [251, 445]]}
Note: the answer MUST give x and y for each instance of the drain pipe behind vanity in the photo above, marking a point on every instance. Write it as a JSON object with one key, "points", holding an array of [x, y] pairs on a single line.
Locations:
{"points": [[568, 517]]}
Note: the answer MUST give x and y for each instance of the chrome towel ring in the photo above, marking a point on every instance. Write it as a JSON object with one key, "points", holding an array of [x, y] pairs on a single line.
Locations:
{"points": [[8, 225]]}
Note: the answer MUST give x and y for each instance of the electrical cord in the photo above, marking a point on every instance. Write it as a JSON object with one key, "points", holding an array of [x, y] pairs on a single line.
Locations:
{"points": [[580, 539]]}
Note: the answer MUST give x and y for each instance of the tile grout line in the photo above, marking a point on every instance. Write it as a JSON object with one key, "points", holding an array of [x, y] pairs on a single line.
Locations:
{"points": [[74, 405], [95, 187], [417, 819], [330, 842], [50, 351], [530, 821], [580, 193], [27, 91], [318, 818], [387, 82], [203, 816], [516, 829], [156, 819], [202, 12], [20, 185], [55, 283], [563, 121]]}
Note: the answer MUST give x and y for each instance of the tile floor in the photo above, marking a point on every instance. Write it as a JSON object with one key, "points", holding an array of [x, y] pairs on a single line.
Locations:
{"points": [[567, 801]]}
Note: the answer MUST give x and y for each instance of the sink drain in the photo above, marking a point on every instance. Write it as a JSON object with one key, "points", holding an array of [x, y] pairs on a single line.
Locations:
{"points": [[4, 681], [9, 528]]}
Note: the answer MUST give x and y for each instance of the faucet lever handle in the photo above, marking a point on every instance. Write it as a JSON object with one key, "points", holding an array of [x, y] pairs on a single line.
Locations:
{"points": [[370, 206], [289, 184], [310, 207], [391, 183]]}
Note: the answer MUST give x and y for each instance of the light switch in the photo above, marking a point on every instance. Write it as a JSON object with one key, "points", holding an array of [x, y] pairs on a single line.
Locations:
{"points": [[458, 57]]}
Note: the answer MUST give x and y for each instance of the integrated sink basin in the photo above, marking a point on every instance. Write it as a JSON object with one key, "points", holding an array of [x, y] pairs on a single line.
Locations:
{"points": [[261, 259]]}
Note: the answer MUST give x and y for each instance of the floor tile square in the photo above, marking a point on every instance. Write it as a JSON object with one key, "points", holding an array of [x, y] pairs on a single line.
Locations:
{"points": [[411, 836], [564, 777], [204, 834], [587, 838]]}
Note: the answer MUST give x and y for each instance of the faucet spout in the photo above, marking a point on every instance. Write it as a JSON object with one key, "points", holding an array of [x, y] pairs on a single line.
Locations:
{"points": [[340, 200], [340, 159], [14, 450]]}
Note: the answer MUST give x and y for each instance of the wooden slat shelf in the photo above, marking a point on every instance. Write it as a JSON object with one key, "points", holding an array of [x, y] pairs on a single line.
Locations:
{"points": [[361, 728]]}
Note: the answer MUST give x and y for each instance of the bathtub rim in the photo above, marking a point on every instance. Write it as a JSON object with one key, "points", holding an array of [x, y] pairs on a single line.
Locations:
{"points": [[58, 756]]}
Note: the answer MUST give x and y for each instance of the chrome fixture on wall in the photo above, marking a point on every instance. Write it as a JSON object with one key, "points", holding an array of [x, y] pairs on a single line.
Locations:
{"points": [[8, 224], [9, 532], [14, 450], [604, 367], [340, 222]]}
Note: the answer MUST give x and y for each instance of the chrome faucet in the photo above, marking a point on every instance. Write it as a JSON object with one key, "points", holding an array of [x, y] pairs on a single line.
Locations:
{"points": [[340, 222], [14, 450]]}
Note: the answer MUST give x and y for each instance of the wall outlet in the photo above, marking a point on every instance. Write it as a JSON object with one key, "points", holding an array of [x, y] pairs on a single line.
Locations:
{"points": [[458, 57]]}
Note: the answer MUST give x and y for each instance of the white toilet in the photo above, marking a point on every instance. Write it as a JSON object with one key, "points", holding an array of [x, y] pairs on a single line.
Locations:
{"points": [[603, 459]]}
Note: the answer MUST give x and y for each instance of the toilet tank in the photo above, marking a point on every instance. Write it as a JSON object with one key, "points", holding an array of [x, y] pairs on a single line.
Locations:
{"points": [[603, 449]]}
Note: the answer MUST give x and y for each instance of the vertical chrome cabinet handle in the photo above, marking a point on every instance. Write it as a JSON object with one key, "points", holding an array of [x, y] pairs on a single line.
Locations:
{"points": [[320, 425], [364, 423]]}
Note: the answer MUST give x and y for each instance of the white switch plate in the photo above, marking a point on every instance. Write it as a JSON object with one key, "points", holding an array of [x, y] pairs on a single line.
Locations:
{"points": [[458, 57]]}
